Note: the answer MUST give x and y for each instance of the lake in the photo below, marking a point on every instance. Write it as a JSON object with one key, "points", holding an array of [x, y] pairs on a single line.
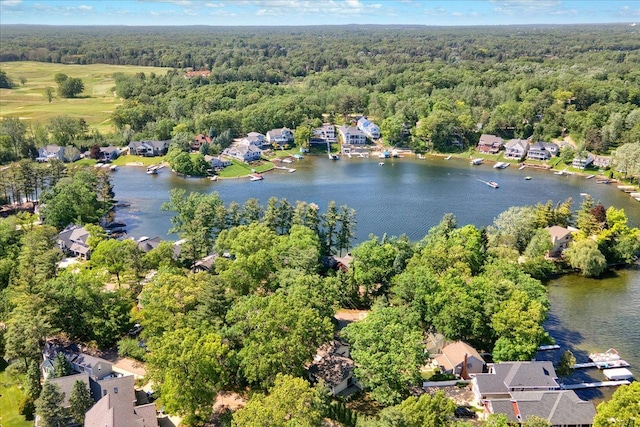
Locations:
{"points": [[409, 196]]}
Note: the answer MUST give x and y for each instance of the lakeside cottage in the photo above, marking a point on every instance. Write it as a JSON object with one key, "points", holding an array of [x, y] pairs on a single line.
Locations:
{"points": [[73, 241], [583, 161], [490, 144], [280, 137], [322, 135], [542, 151], [333, 365], [149, 148], [243, 151], [560, 239], [516, 149]]}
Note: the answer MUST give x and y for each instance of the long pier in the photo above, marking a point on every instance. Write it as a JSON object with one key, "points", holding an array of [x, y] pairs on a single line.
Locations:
{"points": [[602, 365], [594, 384]]}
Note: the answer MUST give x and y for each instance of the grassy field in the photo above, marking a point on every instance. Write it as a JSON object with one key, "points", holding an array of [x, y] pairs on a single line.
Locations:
{"points": [[10, 397], [95, 104]]}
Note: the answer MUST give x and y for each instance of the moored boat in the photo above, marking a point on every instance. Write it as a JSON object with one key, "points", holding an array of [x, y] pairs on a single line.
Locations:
{"points": [[608, 356], [477, 161], [255, 177]]}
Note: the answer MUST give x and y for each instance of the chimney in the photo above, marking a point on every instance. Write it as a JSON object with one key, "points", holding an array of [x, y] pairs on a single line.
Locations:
{"points": [[464, 374]]}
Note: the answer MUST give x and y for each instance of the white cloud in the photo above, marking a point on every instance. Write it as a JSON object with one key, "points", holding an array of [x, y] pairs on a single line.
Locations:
{"points": [[85, 7], [439, 11], [214, 4], [513, 7], [313, 7], [10, 3]]}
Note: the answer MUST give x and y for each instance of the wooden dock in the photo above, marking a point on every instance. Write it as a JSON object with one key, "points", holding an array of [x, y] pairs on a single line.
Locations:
{"points": [[595, 384], [548, 347], [602, 365], [627, 188]]}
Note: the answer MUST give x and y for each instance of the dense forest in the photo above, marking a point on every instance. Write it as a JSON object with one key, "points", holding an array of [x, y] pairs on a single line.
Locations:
{"points": [[446, 84]]}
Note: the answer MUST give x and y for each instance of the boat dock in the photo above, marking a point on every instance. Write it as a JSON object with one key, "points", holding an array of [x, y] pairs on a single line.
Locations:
{"points": [[627, 188], [548, 347], [285, 168], [595, 384], [602, 365]]}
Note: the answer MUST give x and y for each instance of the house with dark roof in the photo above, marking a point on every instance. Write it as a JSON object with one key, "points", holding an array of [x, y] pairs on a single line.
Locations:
{"points": [[459, 358], [280, 137], [65, 385], [205, 264], [146, 244], [95, 367], [504, 378], [73, 241], [370, 129], [490, 144], [149, 148], [333, 365], [516, 149], [108, 154], [562, 408]]}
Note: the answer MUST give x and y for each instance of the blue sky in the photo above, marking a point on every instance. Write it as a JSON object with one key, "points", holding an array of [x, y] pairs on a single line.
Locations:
{"points": [[316, 12]]}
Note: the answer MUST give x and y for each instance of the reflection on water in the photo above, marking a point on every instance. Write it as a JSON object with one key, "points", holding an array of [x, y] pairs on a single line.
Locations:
{"points": [[409, 196]]}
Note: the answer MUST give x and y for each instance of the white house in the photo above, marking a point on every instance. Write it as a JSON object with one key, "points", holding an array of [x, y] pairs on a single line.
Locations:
{"points": [[257, 139], [217, 162], [516, 149], [280, 137], [325, 133], [65, 154], [244, 152], [370, 129], [149, 148], [351, 135], [583, 161]]}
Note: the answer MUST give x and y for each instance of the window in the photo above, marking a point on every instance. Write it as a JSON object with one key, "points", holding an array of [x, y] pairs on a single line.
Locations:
{"points": [[115, 390]]}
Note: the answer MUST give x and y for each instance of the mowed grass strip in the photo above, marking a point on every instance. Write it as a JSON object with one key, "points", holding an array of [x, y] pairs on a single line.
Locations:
{"points": [[94, 105], [10, 397]]}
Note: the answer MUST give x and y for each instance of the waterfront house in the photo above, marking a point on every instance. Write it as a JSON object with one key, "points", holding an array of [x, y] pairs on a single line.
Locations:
{"points": [[108, 154], [460, 359], [542, 151], [217, 162], [601, 161], [333, 365], [73, 241], [370, 129], [65, 154], [149, 148], [490, 144], [205, 264], [516, 149], [561, 408], [560, 239], [351, 135], [243, 152], [325, 133], [257, 139], [280, 137], [146, 244], [582, 161]]}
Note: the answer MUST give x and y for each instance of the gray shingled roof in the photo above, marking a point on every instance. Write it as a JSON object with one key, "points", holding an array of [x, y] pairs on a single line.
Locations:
{"points": [[559, 407]]}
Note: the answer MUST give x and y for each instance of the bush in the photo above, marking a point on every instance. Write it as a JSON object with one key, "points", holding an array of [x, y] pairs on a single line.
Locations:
{"points": [[27, 408], [130, 347]]}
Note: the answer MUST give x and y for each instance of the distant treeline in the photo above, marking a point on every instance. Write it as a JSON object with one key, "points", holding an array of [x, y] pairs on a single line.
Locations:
{"points": [[297, 51]]}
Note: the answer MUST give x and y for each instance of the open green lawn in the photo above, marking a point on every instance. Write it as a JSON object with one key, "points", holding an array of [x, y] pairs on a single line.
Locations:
{"points": [[95, 104], [239, 169], [144, 161], [10, 397]]}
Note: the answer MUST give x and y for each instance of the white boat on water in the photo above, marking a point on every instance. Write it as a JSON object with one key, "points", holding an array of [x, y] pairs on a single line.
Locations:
{"points": [[477, 161], [522, 167], [381, 164], [448, 157], [255, 177], [608, 356], [498, 165]]}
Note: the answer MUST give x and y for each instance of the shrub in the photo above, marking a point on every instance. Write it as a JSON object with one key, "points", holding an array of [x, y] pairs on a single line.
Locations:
{"points": [[130, 347], [27, 408]]}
